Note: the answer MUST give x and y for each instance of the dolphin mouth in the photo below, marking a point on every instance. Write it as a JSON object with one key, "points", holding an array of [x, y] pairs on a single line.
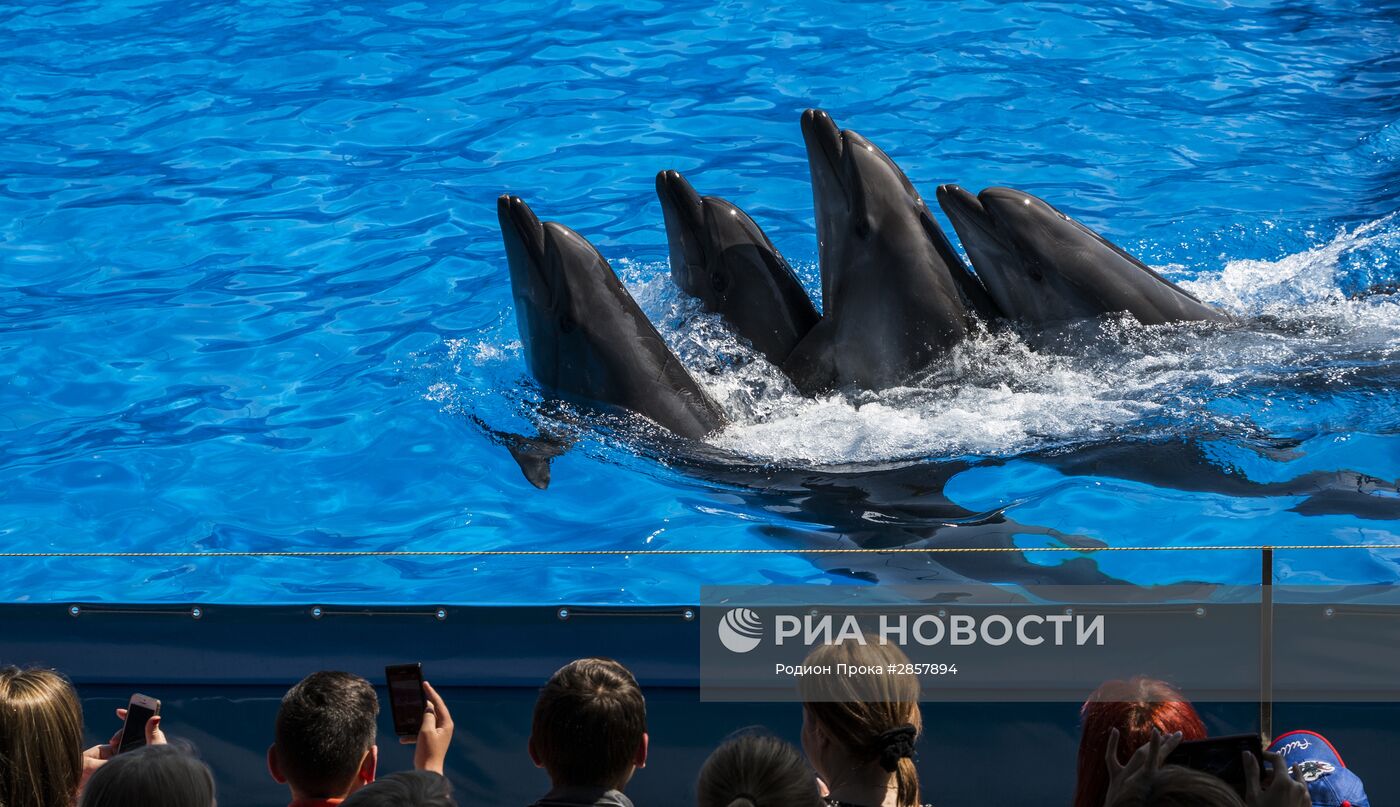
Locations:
{"points": [[678, 196], [519, 220], [684, 212], [965, 209], [822, 137]]}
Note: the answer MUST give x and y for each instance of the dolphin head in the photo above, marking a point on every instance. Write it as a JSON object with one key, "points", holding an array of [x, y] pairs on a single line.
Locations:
{"points": [[556, 277], [856, 186], [1048, 241], [719, 255], [584, 336], [864, 202], [1049, 267], [716, 249], [997, 263], [1034, 227], [684, 211], [894, 291]]}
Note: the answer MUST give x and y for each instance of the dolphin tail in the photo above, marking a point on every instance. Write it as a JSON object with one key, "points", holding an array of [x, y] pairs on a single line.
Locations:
{"points": [[532, 454]]}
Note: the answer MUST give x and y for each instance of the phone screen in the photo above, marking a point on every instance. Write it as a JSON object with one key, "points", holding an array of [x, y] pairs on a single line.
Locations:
{"points": [[138, 712], [406, 699], [1220, 756]]}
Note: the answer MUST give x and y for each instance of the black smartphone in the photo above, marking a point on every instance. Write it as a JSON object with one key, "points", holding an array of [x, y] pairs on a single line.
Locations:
{"points": [[406, 699], [139, 710], [1220, 756]]}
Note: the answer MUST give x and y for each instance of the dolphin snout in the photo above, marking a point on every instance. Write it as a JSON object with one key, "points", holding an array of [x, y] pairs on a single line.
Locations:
{"points": [[963, 208], [822, 136], [521, 227], [679, 197]]}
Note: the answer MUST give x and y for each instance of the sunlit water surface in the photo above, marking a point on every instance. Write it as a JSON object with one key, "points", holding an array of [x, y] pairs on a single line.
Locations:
{"points": [[253, 296]]}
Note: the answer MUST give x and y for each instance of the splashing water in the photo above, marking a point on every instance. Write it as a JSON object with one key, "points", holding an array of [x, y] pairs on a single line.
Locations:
{"points": [[1000, 394]]}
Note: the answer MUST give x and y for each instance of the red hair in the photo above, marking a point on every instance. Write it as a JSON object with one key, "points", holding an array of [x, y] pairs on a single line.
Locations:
{"points": [[1135, 707]]}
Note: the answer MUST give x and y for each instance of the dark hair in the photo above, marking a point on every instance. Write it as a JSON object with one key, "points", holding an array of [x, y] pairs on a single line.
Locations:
{"points": [[409, 789], [41, 739], [1175, 786], [757, 770], [1135, 707], [151, 776], [589, 722], [325, 726]]}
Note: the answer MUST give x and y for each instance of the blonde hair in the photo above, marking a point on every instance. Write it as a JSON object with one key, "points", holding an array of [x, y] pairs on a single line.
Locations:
{"points": [[874, 717], [41, 739]]}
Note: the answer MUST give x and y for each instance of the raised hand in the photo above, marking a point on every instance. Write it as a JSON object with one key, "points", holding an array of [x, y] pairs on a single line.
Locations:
{"points": [[1129, 784], [1281, 790]]}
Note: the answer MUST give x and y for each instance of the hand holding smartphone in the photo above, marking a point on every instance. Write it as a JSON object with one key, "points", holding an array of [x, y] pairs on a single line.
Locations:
{"points": [[138, 713], [1220, 756], [406, 699]]}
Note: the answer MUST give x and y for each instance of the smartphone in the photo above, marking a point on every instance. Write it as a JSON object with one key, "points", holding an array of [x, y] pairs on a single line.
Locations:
{"points": [[139, 711], [1220, 756], [406, 699]]}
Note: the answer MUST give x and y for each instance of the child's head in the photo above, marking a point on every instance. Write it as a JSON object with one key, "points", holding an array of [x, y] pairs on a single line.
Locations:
{"points": [[590, 725], [324, 746]]}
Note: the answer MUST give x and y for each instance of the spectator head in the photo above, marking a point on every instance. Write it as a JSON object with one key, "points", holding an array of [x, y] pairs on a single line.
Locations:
{"points": [[1135, 707], [590, 725], [41, 739], [151, 776], [324, 746], [1311, 757], [1175, 786], [862, 726], [757, 770], [410, 789]]}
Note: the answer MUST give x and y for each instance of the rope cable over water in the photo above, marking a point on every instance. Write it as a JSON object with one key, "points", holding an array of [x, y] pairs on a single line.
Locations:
{"points": [[370, 553]]}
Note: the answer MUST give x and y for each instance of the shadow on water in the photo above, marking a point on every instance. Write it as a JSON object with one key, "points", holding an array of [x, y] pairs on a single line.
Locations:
{"points": [[879, 506]]}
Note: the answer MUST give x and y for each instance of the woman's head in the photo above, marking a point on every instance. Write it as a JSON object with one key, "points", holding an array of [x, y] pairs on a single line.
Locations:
{"points": [[41, 739], [151, 776], [853, 722], [1135, 707], [756, 770]]}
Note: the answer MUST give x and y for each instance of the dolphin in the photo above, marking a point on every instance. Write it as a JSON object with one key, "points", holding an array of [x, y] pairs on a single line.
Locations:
{"points": [[585, 338], [895, 295], [719, 255], [1042, 267]]}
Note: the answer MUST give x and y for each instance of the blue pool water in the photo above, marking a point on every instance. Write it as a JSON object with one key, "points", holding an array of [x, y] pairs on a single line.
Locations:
{"points": [[253, 297]]}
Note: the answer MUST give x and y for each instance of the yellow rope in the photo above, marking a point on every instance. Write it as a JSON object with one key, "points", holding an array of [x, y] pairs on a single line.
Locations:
{"points": [[313, 553]]}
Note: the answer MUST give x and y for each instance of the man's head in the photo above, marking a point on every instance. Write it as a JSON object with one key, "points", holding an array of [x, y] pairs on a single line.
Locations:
{"points": [[324, 746], [590, 725]]}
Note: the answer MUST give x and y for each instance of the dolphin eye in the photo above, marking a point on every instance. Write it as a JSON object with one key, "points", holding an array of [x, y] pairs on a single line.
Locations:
{"points": [[719, 282], [566, 323]]}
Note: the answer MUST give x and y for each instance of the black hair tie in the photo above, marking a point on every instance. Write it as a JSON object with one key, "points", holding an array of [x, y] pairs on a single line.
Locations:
{"points": [[896, 744]]}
